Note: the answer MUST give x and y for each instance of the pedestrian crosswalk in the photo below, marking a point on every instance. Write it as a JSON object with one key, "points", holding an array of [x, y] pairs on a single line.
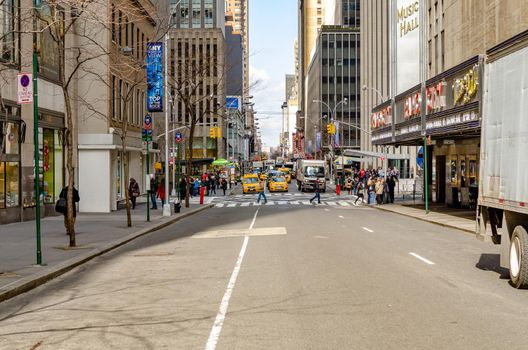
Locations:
{"points": [[286, 200]]}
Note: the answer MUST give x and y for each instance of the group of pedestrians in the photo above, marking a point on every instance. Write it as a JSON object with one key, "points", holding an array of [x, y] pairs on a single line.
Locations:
{"points": [[370, 182]]}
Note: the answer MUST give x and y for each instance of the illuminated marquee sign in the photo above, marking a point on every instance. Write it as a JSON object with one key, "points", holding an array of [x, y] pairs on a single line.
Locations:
{"points": [[465, 89], [436, 97], [411, 106], [452, 120], [381, 118]]}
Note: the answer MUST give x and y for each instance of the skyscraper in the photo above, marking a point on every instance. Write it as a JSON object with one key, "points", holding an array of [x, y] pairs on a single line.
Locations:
{"points": [[237, 16]]}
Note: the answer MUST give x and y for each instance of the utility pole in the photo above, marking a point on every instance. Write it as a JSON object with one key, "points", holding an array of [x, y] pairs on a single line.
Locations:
{"points": [[37, 157]]}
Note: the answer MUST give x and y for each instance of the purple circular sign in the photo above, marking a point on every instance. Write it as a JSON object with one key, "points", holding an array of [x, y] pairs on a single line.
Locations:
{"points": [[24, 80]]}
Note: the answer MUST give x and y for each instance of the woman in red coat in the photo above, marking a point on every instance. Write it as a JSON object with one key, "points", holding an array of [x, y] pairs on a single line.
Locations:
{"points": [[161, 191]]}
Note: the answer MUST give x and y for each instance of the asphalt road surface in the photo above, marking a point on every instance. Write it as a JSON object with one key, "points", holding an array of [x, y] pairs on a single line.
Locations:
{"points": [[281, 276]]}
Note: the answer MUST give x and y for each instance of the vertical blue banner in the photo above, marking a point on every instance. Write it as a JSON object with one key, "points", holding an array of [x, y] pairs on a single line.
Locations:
{"points": [[155, 77], [318, 141], [337, 136]]}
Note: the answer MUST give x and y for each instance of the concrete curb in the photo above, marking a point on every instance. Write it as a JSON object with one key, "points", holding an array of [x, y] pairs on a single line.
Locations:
{"points": [[48, 273], [425, 220]]}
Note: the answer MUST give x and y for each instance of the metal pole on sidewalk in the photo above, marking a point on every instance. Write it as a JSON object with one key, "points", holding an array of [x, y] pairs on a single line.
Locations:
{"points": [[426, 185], [148, 185], [37, 160], [178, 171]]}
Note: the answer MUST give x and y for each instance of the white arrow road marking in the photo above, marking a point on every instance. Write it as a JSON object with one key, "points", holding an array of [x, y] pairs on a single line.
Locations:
{"points": [[220, 317], [367, 229], [428, 262]]}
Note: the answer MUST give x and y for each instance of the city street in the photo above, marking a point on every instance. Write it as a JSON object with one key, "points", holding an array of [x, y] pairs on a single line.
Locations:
{"points": [[281, 276]]}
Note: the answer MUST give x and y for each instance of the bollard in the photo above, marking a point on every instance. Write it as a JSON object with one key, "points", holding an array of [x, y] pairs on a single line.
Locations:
{"points": [[338, 189], [202, 193]]}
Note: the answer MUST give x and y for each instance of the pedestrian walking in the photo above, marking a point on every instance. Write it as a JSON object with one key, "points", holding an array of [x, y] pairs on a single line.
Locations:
{"points": [[196, 187], [317, 194], [64, 208], [262, 193], [133, 192], [161, 191], [213, 187], [391, 182], [348, 185], [224, 185], [379, 191], [153, 191], [183, 188], [360, 189]]}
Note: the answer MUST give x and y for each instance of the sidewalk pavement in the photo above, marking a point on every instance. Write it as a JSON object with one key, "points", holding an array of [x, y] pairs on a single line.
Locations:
{"points": [[446, 220], [96, 234], [402, 207]]}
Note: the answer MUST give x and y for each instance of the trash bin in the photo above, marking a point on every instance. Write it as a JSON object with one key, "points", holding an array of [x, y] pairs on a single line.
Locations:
{"points": [[372, 197], [177, 207]]}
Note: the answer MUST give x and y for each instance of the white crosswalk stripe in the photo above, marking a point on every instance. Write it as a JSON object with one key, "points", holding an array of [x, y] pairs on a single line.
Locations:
{"points": [[284, 199]]}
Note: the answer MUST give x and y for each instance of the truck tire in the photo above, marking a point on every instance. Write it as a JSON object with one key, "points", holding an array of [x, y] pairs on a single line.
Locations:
{"points": [[519, 258]]}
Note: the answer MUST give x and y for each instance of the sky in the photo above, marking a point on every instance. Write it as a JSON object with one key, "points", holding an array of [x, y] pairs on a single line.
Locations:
{"points": [[272, 33]]}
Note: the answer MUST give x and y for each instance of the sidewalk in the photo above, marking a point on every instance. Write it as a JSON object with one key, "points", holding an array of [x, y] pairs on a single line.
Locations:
{"points": [[96, 234], [436, 217]]}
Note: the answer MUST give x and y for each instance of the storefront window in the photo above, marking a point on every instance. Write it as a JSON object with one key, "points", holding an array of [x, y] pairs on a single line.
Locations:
{"points": [[2, 186], [119, 175], [51, 165], [463, 182], [473, 171], [453, 171], [11, 145], [12, 180]]}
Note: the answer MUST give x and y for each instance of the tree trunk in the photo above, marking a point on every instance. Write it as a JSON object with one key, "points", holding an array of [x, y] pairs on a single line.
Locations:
{"points": [[127, 180], [70, 219], [189, 161]]}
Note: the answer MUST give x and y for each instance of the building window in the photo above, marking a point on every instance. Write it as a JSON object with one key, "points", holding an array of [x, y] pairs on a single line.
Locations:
{"points": [[8, 37], [196, 14], [184, 13], [208, 14], [50, 60], [120, 29], [113, 24]]}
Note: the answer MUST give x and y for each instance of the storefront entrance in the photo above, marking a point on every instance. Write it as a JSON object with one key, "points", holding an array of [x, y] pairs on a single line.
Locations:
{"points": [[440, 179]]}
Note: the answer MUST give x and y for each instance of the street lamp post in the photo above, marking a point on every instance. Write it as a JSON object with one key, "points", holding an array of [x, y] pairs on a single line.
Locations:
{"points": [[330, 147], [385, 157], [166, 206]]}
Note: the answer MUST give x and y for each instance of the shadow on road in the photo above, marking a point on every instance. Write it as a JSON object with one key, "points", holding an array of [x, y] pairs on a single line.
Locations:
{"points": [[491, 262]]}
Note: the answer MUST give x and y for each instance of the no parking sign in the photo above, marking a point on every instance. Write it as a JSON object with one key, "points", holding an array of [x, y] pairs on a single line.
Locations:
{"points": [[25, 88]]}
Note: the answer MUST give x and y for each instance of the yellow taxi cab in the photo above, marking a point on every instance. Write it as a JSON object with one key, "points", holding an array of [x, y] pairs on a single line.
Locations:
{"points": [[263, 177], [251, 184], [286, 173], [278, 183]]}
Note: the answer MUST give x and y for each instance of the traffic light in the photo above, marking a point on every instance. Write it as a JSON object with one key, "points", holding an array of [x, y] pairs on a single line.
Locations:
{"points": [[330, 128], [212, 132], [218, 132]]}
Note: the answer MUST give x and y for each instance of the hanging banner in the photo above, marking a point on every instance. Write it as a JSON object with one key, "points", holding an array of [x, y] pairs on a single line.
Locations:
{"points": [[318, 139], [337, 135], [155, 77]]}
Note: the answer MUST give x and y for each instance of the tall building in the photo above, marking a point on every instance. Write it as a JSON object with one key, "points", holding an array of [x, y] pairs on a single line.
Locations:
{"points": [[311, 16], [333, 83], [199, 31], [237, 16], [376, 82], [438, 52]]}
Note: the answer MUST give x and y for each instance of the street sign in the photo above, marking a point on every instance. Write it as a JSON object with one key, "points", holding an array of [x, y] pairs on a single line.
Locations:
{"points": [[178, 137], [147, 122], [146, 135], [25, 88]]}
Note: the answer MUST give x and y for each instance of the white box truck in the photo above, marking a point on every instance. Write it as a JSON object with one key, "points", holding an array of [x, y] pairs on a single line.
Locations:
{"points": [[309, 172], [502, 212]]}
